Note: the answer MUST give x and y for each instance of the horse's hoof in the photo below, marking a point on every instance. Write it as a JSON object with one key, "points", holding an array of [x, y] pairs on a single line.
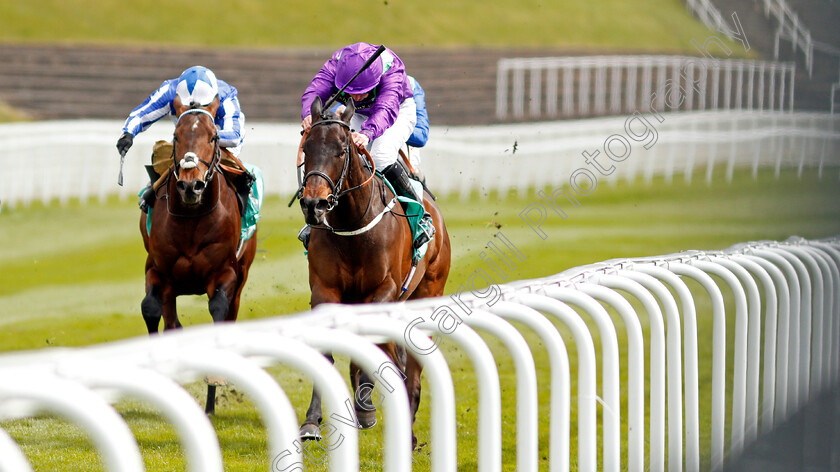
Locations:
{"points": [[309, 431], [367, 419]]}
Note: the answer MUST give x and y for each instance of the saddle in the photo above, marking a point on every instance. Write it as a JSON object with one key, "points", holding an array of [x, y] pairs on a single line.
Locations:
{"points": [[235, 171]]}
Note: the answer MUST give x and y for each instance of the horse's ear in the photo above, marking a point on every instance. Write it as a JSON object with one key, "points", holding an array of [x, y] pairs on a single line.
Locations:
{"points": [[213, 106], [315, 109], [178, 106], [349, 109]]}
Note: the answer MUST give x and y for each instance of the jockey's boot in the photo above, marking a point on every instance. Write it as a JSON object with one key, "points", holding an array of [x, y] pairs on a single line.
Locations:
{"points": [[402, 185], [243, 183], [303, 236], [147, 199]]}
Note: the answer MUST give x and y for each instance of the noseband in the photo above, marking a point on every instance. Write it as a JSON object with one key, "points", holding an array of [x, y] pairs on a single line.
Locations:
{"points": [[188, 161]]}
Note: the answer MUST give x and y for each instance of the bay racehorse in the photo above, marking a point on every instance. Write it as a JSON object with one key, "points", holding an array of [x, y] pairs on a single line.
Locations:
{"points": [[193, 242], [360, 248]]}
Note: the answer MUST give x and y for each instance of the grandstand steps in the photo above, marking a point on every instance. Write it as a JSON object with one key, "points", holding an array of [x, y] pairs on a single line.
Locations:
{"points": [[65, 82], [821, 19], [103, 82]]}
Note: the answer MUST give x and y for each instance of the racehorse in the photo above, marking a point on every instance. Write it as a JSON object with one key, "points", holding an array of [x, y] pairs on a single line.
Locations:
{"points": [[193, 244], [360, 248]]}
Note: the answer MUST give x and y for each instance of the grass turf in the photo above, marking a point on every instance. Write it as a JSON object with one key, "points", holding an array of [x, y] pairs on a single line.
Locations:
{"points": [[645, 25], [72, 276]]}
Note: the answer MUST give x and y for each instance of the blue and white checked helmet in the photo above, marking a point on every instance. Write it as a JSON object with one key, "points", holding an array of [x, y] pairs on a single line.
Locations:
{"points": [[197, 85]]}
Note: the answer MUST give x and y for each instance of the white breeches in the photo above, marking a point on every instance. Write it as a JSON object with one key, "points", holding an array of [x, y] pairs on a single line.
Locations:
{"points": [[385, 149], [413, 154], [235, 150]]}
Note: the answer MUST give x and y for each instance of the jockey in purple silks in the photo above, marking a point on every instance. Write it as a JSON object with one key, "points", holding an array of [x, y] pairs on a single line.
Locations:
{"points": [[385, 117]]}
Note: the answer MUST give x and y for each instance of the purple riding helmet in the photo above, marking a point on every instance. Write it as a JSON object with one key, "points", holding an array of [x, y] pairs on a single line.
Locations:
{"points": [[350, 60]]}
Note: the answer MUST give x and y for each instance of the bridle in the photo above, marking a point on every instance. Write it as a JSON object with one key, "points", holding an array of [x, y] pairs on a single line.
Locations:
{"points": [[188, 162], [336, 191], [189, 158]]}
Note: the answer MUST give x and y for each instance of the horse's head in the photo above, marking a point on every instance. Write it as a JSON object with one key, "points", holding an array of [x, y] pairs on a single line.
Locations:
{"points": [[195, 147], [328, 152]]}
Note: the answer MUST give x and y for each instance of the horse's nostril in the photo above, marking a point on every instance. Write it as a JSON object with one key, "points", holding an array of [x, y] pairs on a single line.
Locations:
{"points": [[181, 185], [313, 205], [199, 185]]}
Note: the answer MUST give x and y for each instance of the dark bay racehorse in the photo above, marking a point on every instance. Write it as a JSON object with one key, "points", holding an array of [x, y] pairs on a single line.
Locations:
{"points": [[193, 245], [360, 248]]}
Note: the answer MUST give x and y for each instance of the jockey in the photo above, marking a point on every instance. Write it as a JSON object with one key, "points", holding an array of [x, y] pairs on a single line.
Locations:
{"points": [[386, 114], [198, 86], [420, 135]]}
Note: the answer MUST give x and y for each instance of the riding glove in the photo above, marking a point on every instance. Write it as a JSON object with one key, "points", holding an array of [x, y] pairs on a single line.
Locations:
{"points": [[124, 143]]}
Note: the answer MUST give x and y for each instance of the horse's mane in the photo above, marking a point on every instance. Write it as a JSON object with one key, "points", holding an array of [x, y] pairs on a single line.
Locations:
{"points": [[329, 115]]}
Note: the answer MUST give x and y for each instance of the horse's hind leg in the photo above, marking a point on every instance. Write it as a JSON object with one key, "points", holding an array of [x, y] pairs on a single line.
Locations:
{"points": [[223, 307], [363, 384], [310, 429], [413, 369], [219, 309], [362, 391]]}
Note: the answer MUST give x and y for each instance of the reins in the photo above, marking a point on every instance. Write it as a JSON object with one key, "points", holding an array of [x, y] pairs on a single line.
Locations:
{"points": [[336, 190], [335, 187]]}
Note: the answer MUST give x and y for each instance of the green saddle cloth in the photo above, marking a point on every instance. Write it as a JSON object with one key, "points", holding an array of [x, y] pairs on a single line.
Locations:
{"points": [[414, 212]]}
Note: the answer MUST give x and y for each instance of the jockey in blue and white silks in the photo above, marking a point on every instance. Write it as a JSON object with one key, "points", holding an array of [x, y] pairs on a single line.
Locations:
{"points": [[198, 86], [420, 136]]}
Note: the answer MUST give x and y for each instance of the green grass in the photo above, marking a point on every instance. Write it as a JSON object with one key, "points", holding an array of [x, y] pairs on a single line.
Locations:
{"points": [[645, 25], [72, 275]]}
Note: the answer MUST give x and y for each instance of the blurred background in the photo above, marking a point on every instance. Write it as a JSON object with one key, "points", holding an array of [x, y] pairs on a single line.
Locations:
{"points": [[73, 59]]}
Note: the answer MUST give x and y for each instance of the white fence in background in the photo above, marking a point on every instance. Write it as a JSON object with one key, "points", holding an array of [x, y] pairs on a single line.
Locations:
{"points": [[64, 160], [786, 295], [789, 28], [708, 14], [550, 87], [792, 29]]}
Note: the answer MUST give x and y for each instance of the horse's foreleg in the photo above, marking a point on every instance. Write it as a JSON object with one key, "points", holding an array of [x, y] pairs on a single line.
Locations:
{"points": [[152, 305], [224, 290], [310, 429], [170, 315], [152, 309], [219, 305]]}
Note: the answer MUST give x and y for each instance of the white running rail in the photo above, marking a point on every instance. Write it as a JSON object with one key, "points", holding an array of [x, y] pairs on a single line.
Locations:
{"points": [[63, 160], [786, 293]]}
